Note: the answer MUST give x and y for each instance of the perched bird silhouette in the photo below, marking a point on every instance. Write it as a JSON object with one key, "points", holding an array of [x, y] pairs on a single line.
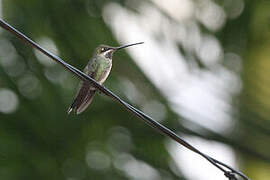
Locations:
{"points": [[98, 68]]}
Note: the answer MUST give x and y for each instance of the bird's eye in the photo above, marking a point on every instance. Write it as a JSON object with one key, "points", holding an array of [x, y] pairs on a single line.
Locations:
{"points": [[102, 49]]}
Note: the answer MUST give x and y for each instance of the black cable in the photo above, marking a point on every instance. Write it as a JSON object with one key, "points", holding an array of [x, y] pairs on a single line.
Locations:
{"points": [[144, 117]]}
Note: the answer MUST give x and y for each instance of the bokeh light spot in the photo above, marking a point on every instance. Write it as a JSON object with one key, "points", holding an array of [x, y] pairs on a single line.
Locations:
{"points": [[155, 109], [210, 51], [119, 140], [8, 101], [29, 86], [134, 168], [8, 53], [234, 8], [56, 74], [49, 45], [98, 160], [177, 9], [211, 15]]}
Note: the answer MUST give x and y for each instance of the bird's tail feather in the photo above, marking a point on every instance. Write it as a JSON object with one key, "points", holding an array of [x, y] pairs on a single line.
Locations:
{"points": [[83, 99], [88, 99]]}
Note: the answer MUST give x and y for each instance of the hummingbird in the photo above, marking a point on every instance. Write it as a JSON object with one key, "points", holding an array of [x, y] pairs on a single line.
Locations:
{"points": [[98, 68]]}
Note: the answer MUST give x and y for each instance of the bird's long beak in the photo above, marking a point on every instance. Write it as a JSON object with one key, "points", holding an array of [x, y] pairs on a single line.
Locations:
{"points": [[127, 45]]}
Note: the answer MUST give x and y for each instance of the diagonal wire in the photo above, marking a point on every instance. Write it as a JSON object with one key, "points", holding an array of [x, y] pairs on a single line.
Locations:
{"points": [[144, 117]]}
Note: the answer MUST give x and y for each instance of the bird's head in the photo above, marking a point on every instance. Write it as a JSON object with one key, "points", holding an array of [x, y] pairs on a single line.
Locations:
{"points": [[107, 51]]}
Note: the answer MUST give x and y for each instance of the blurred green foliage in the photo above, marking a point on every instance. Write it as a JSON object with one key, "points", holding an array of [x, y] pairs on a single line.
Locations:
{"points": [[38, 140]]}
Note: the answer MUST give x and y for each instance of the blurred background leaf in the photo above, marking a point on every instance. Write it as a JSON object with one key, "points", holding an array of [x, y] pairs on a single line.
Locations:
{"points": [[203, 73]]}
